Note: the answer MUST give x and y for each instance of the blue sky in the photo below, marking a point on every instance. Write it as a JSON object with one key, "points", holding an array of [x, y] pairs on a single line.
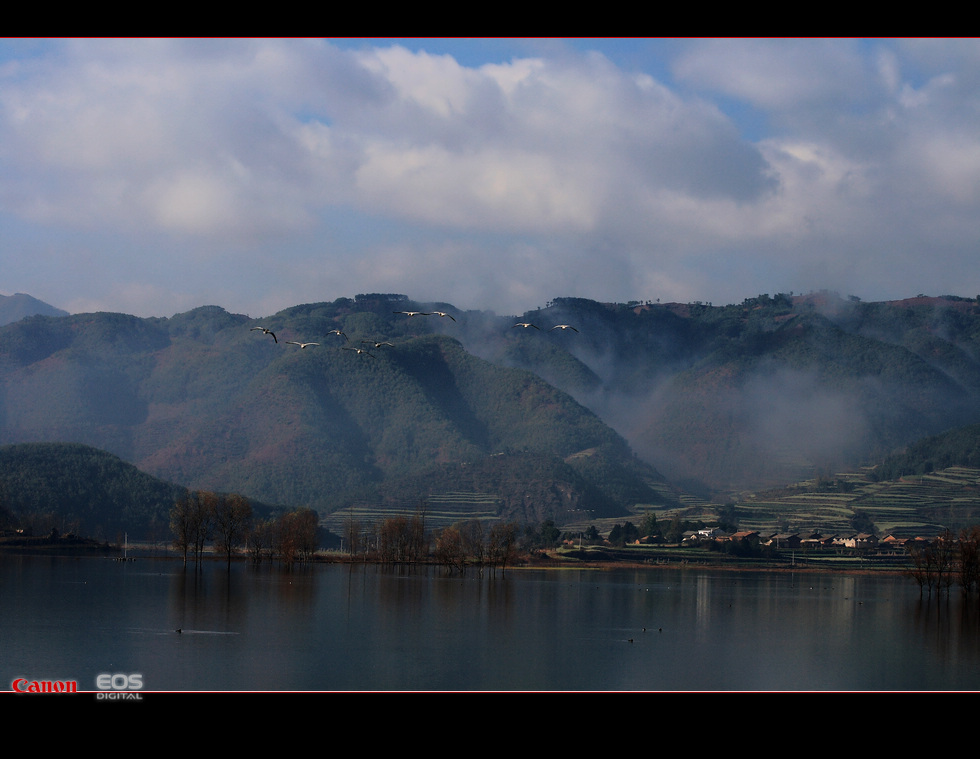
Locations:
{"points": [[154, 176]]}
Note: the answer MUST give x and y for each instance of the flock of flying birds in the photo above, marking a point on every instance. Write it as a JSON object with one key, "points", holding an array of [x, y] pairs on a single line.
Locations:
{"points": [[364, 351]]}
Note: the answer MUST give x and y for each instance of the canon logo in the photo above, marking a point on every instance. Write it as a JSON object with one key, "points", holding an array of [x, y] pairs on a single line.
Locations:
{"points": [[23, 685]]}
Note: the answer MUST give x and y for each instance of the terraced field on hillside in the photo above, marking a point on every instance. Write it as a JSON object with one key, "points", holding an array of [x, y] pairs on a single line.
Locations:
{"points": [[921, 505], [441, 510]]}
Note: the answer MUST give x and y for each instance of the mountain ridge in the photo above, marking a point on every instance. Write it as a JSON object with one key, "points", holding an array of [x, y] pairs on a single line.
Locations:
{"points": [[208, 400], [718, 399]]}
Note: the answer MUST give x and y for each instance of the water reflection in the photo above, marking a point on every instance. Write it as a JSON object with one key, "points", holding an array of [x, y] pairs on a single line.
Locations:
{"points": [[353, 627]]}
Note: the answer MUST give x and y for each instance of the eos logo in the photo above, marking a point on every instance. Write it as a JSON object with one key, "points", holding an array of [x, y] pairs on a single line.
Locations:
{"points": [[118, 686]]}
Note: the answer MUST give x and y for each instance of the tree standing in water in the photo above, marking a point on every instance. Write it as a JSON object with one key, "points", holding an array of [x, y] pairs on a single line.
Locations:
{"points": [[181, 524], [232, 519]]}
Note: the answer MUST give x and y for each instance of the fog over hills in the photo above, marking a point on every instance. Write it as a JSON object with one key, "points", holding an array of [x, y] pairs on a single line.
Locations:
{"points": [[764, 392], [552, 422]]}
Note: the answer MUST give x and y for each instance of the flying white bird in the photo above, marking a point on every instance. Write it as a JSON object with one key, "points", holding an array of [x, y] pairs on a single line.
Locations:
{"points": [[359, 351], [301, 345], [563, 327], [526, 325], [413, 313], [338, 332], [376, 345], [443, 313], [266, 331]]}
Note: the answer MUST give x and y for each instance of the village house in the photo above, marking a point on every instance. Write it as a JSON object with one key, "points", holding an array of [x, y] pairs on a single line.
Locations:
{"points": [[859, 540], [786, 540], [751, 537]]}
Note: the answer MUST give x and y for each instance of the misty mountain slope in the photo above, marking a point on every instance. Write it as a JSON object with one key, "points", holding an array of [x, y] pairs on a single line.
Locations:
{"points": [[204, 400], [766, 391], [808, 400]]}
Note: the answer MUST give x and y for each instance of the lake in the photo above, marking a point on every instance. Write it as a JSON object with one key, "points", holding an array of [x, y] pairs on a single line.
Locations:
{"points": [[334, 627]]}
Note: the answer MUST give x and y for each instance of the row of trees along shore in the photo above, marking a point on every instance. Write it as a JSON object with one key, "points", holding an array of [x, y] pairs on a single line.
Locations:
{"points": [[226, 521], [472, 542], [948, 560]]}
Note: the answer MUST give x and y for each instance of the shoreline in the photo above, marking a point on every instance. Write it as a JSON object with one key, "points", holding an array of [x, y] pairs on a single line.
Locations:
{"points": [[549, 561]]}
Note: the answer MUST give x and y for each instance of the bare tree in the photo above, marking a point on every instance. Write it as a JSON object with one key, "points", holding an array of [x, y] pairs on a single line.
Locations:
{"points": [[181, 524], [418, 543], [449, 548], [471, 532], [203, 504], [502, 544], [295, 536], [232, 518], [969, 553], [260, 539], [945, 561], [306, 522], [393, 539], [933, 562], [354, 532]]}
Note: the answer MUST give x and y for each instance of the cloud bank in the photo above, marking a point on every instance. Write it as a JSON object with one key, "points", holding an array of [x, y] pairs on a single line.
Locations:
{"points": [[153, 176]]}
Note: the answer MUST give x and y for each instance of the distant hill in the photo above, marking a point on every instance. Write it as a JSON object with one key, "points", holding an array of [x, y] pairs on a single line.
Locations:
{"points": [[207, 400], [15, 307], [84, 490]]}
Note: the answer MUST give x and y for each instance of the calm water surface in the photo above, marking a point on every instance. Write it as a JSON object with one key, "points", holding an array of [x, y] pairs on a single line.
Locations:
{"points": [[336, 627]]}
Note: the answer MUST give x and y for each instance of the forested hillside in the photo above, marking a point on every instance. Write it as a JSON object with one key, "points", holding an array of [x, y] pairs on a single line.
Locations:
{"points": [[209, 400], [566, 411], [74, 487], [959, 447]]}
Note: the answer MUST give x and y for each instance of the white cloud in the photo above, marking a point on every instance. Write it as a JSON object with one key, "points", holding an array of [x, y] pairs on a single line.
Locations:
{"points": [[294, 169]]}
